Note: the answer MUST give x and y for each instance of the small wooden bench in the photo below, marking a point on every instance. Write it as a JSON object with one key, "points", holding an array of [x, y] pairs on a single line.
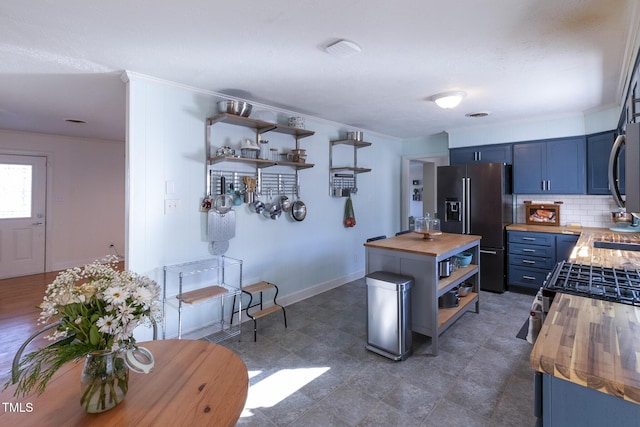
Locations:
{"points": [[254, 289]]}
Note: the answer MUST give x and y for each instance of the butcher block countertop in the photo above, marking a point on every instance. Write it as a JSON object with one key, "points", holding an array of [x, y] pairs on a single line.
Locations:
{"points": [[593, 343], [416, 244], [560, 229], [584, 252], [586, 341]]}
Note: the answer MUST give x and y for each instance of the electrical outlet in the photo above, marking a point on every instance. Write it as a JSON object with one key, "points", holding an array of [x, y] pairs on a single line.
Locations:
{"points": [[171, 206]]}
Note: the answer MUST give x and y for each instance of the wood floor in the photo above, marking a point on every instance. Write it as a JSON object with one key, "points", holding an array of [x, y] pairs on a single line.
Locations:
{"points": [[19, 300], [19, 313]]}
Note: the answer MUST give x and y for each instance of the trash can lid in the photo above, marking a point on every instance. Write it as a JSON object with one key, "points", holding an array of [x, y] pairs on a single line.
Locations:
{"points": [[387, 276]]}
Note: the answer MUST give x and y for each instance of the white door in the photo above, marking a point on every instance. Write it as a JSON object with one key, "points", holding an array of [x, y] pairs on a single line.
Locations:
{"points": [[23, 181]]}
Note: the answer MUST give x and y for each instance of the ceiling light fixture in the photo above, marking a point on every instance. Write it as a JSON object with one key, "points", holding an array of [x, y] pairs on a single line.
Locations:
{"points": [[448, 100], [343, 49]]}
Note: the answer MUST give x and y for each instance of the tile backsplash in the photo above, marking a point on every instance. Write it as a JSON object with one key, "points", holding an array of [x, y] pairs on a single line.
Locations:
{"points": [[588, 211]]}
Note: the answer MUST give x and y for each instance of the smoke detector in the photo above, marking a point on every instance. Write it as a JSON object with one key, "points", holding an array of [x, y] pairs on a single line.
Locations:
{"points": [[343, 49]]}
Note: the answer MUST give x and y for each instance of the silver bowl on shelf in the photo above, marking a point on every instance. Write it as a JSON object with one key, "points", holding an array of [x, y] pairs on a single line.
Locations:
{"points": [[237, 108]]}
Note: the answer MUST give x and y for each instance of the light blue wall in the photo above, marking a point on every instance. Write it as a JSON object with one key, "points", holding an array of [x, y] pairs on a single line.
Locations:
{"points": [[532, 130], [166, 143], [432, 145]]}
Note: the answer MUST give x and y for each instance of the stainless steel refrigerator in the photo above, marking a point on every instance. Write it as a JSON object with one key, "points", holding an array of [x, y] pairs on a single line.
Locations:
{"points": [[476, 199]]}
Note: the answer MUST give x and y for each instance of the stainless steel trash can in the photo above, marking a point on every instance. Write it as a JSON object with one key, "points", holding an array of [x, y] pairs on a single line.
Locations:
{"points": [[389, 314]]}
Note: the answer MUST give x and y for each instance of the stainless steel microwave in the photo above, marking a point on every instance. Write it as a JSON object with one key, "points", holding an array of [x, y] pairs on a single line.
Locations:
{"points": [[630, 140]]}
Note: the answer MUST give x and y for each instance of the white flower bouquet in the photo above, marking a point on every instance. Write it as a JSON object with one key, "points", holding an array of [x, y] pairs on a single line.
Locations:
{"points": [[98, 307]]}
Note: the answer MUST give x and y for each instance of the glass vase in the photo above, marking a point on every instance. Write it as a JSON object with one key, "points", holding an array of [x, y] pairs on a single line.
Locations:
{"points": [[104, 381]]}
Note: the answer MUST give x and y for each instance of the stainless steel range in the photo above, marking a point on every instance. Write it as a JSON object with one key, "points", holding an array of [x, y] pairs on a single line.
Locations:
{"points": [[620, 285]]}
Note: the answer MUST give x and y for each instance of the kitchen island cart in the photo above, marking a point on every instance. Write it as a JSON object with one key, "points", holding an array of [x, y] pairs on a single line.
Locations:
{"points": [[411, 255]]}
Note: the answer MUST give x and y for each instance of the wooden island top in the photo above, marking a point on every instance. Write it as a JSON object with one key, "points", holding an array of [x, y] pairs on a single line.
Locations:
{"points": [[440, 246]]}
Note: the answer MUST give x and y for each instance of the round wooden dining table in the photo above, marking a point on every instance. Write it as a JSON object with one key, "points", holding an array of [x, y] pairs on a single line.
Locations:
{"points": [[193, 383]]}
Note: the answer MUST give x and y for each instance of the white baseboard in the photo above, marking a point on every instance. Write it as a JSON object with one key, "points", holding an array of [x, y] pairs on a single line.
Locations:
{"points": [[291, 299], [319, 288], [78, 263]]}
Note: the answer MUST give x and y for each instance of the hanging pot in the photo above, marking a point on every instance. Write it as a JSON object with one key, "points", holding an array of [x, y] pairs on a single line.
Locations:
{"points": [[272, 210], [285, 203], [257, 206], [298, 210]]}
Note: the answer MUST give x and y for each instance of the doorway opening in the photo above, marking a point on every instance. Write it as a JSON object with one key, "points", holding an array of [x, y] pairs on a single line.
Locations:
{"points": [[419, 173]]}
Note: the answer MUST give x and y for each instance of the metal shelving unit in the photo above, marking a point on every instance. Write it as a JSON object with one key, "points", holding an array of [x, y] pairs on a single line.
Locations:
{"points": [[194, 282], [214, 162], [343, 179]]}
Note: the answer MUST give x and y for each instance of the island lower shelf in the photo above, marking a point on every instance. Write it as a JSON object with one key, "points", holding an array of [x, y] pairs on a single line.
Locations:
{"points": [[447, 315], [461, 274]]}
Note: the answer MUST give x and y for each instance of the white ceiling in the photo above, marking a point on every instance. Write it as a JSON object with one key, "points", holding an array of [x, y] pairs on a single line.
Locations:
{"points": [[518, 60]]}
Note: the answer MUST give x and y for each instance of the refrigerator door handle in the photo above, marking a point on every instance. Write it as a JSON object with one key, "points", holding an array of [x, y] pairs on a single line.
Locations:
{"points": [[468, 211], [484, 251], [464, 207]]}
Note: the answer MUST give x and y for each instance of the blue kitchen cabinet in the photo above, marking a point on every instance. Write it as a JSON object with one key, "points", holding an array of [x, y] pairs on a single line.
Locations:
{"points": [[598, 149], [528, 172], [555, 166], [495, 153], [532, 255], [564, 403]]}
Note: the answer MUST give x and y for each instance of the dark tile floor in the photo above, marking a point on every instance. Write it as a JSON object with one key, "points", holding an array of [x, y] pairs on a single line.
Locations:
{"points": [[317, 372]]}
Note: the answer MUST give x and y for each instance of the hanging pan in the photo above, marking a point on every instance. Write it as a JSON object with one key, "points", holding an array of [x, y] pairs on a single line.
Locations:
{"points": [[298, 208]]}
